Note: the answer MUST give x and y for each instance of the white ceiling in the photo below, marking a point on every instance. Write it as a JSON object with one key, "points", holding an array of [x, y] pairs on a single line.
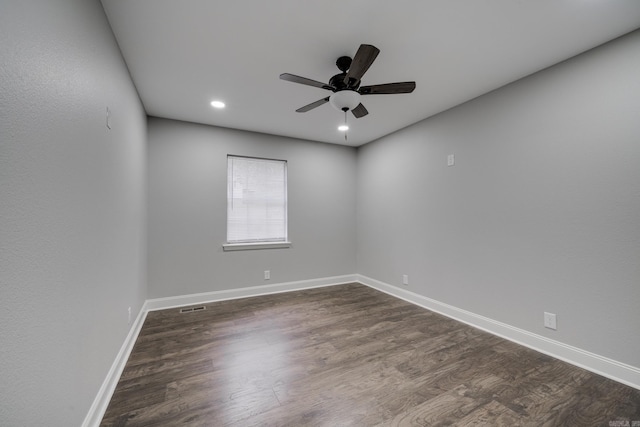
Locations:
{"points": [[184, 53]]}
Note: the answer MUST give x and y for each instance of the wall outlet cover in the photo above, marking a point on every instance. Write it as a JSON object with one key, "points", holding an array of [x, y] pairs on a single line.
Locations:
{"points": [[550, 321]]}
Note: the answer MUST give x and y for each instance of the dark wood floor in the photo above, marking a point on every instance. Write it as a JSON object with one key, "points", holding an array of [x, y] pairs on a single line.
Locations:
{"points": [[348, 355]]}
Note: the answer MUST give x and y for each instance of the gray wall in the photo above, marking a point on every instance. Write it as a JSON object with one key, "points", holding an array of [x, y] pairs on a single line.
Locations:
{"points": [[541, 211], [72, 228], [188, 207]]}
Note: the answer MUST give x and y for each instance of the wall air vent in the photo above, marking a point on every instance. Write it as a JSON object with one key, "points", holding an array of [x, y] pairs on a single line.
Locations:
{"points": [[192, 309]]}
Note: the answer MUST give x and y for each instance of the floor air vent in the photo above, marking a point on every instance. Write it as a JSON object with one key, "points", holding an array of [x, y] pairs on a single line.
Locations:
{"points": [[192, 309]]}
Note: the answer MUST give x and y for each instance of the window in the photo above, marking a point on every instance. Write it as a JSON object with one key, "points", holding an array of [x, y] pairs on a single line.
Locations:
{"points": [[256, 203]]}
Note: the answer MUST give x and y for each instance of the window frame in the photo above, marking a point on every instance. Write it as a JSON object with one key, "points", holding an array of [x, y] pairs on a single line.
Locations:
{"points": [[259, 244]]}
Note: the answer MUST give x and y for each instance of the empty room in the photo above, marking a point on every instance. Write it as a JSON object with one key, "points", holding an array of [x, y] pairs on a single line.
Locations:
{"points": [[337, 213]]}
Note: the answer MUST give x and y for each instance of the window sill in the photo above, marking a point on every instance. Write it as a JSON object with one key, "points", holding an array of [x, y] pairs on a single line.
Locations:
{"points": [[227, 247]]}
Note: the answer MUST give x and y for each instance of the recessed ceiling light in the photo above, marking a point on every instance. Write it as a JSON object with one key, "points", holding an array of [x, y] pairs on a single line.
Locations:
{"points": [[217, 104], [343, 128]]}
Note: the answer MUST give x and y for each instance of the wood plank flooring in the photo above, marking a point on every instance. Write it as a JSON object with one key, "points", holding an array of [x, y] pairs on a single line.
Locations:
{"points": [[348, 355]]}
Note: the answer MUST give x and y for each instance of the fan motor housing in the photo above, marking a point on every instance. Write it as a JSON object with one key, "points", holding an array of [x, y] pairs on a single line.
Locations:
{"points": [[338, 83]]}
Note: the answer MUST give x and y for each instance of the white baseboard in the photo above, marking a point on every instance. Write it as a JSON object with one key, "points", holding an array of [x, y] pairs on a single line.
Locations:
{"points": [[252, 291], [100, 403], [617, 371]]}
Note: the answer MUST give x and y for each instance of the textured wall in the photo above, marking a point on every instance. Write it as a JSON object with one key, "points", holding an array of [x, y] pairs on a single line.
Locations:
{"points": [[540, 212], [72, 208], [188, 210]]}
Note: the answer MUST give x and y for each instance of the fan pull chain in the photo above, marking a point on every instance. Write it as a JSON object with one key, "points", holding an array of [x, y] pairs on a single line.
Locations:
{"points": [[345, 123]]}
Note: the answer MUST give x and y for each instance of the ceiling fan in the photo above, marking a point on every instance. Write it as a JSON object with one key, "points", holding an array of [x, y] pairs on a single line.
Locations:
{"points": [[346, 85]]}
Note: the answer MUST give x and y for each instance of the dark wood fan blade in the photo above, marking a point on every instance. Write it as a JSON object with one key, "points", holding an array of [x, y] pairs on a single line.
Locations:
{"points": [[312, 105], [359, 111], [365, 56], [388, 88], [305, 81]]}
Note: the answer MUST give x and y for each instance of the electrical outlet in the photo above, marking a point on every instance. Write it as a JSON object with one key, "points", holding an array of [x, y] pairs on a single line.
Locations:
{"points": [[129, 316], [405, 279], [267, 275], [550, 321], [451, 160]]}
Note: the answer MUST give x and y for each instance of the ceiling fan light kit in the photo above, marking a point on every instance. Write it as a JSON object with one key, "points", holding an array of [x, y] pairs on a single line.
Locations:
{"points": [[346, 85], [345, 99]]}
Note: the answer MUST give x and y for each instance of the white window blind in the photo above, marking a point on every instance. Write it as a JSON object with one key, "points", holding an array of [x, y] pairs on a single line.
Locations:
{"points": [[256, 200]]}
